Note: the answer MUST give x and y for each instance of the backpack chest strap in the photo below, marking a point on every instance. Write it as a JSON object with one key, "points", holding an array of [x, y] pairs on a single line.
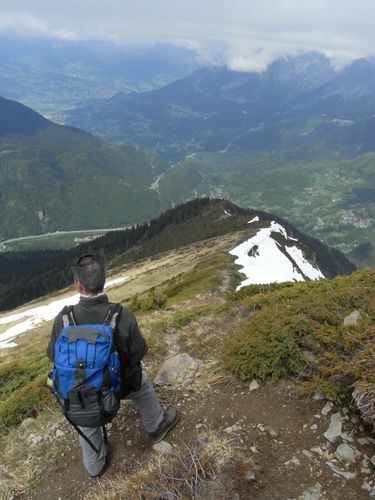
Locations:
{"points": [[67, 316], [112, 316]]}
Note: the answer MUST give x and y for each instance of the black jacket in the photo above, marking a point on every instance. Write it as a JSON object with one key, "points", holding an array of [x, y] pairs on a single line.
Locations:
{"points": [[130, 343]]}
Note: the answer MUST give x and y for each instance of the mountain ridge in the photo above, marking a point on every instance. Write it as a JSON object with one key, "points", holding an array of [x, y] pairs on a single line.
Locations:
{"points": [[180, 117], [27, 275]]}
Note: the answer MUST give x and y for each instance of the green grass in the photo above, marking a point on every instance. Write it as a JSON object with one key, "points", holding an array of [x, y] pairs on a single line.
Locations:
{"points": [[289, 318], [206, 276], [23, 386]]}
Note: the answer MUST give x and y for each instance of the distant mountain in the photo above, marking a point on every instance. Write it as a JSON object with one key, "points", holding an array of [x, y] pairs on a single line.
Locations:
{"points": [[297, 139], [216, 109], [27, 275], [54, 177], [350, 94], [55, 75]]}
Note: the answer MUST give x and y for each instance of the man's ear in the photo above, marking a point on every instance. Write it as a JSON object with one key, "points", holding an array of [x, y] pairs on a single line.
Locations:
{"points": [[79, 287]]}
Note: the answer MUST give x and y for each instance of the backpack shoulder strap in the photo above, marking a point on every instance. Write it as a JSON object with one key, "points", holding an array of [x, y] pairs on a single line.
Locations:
{"points": [[113, 314], [67, 316]]}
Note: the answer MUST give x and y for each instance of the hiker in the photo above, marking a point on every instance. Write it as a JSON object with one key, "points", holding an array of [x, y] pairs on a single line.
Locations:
{"points": [[94, 309]]}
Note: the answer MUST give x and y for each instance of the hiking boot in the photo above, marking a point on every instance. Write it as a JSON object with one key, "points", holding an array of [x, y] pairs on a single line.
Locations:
{"points": [[171, 418]]}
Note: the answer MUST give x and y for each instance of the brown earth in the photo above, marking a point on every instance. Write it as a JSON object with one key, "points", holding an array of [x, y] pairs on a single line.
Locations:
{"points": [[275, 408]]}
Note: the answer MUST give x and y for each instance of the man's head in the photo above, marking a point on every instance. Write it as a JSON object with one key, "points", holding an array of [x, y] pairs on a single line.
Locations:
{"points": [[89, 274]]}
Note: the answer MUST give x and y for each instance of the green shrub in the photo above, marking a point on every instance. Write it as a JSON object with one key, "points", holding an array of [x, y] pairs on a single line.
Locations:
{"points": [[151, 302], [290, 318]]}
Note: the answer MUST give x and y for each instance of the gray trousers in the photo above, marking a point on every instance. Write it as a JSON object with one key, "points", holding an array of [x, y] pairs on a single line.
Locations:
{"points": [[152, 414]]}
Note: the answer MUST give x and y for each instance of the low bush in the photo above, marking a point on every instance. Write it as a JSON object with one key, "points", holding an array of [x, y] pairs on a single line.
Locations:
{"points": [[291, 319]]}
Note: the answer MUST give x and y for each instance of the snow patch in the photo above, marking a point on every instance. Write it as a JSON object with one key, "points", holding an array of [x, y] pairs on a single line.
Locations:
{"points": [[255, 219], [227, 213], [262, 260], [36, 315]]}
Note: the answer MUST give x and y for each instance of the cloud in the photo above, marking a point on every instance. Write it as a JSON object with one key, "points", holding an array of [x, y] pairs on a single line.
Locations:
{"points": [[245, 34]]}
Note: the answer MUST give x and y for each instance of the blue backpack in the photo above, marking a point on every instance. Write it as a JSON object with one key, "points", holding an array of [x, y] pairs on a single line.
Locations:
{"points": [[86, 374]]}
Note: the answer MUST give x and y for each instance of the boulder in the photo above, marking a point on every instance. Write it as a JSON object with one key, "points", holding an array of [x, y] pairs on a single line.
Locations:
{"points": [[234, 428], [334, 430], [254, 385], [327, 408], [340, 472], [178, 370], [312, 493], [346, 453], [163, 447], [352, 319]]}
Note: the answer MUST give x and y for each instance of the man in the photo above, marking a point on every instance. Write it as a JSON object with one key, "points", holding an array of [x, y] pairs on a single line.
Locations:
{"points": [[93, 306]]}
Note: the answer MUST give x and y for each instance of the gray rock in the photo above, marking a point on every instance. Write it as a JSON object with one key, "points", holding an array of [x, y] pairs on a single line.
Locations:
{"points": [[60, 433], [232, 429], [370, 489], [313, 493], [334, 430], [292, 461], [353, 318], [363, 441], [177, 370], [327, 408], [346, 453], [307, 454], [250, 476], [163, 447], [347, 436], [318, 450], [340, 472], [318, 396], [372, 460], [273, 432], [254, 385]]}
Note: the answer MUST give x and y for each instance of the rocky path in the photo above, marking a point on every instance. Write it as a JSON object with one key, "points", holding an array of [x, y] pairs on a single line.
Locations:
{"points": [[295, 447]]}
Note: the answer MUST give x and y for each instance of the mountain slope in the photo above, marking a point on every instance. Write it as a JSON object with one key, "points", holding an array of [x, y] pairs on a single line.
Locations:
{"points": [[184, 116], [54, 177], [26, 275], [215, 109], [18, 119]]}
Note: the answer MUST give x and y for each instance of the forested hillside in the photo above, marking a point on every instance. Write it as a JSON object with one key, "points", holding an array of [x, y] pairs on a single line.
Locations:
{"points": [[27, 275], [54, 177]]}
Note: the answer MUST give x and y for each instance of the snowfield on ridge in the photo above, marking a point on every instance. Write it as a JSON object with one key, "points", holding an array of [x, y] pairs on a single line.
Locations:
{"points": [[263, 260]]}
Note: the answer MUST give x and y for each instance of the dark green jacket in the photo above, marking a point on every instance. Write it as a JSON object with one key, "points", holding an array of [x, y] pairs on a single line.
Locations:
{"points": [[130, 343]]}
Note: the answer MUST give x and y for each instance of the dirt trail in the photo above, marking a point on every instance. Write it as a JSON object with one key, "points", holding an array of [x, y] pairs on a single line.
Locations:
{"points": [[273, 425]]}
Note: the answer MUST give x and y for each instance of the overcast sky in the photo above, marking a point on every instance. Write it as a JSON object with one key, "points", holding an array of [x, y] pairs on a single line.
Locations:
{"points": [[244, 34]]}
